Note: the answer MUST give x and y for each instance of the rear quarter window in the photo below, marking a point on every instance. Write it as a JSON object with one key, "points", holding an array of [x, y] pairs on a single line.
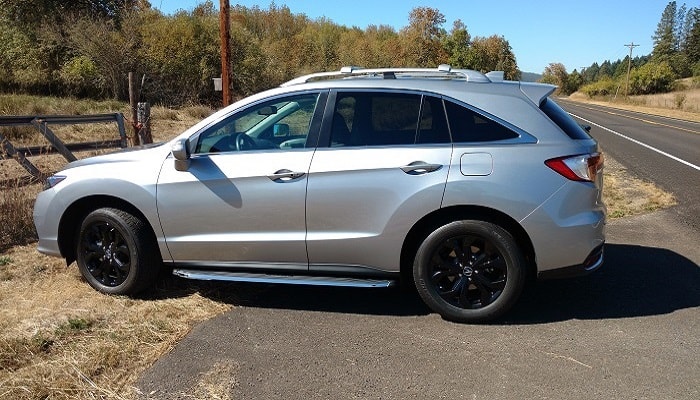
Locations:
{"points": [[563, 120], [469, 126]]}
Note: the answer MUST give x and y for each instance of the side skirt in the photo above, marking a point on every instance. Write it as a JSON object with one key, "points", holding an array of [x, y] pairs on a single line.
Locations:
{"points": [[282, 279]]}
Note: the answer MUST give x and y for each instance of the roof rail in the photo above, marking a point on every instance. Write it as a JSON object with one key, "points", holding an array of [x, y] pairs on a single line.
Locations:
{"points": [[443, 71]]}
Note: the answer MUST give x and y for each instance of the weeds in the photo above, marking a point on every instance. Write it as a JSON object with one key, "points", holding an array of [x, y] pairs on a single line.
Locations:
{"points": [[16, 223], [679, 99]]}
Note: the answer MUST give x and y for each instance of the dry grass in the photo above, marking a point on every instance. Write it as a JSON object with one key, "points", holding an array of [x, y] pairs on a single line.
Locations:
{"points": [[626, 195], [16, 225], [60, 339], [681, 104]]}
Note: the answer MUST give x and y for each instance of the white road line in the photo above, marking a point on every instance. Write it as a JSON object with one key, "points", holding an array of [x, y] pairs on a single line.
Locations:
{"points": [[639, 143]]}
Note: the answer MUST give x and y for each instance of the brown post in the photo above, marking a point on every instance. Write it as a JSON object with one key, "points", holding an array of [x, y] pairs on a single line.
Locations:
{"points": [[133, 103], [224, 30], [144, 119]]}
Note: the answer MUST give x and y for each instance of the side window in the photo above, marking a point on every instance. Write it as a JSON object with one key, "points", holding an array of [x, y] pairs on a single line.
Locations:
{"points": [[278, 124], [469, 126], [375, 119], [433, 124]]}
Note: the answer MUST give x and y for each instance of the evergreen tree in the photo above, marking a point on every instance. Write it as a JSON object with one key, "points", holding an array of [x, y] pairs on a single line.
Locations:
{"points": [[692, 42], [665, 36]]}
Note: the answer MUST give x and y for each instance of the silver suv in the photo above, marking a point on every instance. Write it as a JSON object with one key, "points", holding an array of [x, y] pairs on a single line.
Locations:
{"points": [[459, 183]]}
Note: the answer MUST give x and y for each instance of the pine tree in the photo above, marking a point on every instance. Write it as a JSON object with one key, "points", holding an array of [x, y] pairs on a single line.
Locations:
{"points": [[692, 41], [665, 36]]}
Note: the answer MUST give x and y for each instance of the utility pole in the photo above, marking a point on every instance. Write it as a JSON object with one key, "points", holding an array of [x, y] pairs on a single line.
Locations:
{"points": [[629, 67], [224, 31]]}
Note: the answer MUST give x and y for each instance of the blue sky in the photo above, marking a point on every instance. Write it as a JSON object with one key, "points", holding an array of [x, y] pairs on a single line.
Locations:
{"points": [[574, 33]]}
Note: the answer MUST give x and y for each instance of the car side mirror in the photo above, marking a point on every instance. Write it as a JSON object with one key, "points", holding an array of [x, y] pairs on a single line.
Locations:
{"points": [[587, 128], [181, 153]]}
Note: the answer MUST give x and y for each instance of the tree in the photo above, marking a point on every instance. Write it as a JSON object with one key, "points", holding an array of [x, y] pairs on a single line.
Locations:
{"points": [[112, 49], [555, 74], [665, 37], [653, 77], [32, 13], [422, 37], [590, 73], [692, 42], [456, 44], [493, 54]]}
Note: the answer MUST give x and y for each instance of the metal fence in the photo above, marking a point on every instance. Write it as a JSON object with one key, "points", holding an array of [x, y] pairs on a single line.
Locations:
{"points": [[40, 123]]}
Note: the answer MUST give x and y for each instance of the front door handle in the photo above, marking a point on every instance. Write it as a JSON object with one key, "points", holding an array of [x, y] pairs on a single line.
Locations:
{"points": [[420, 168], [285, 175]]}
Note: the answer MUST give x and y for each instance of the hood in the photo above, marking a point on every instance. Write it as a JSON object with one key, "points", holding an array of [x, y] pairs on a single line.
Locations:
{"points": [[137, 153]]}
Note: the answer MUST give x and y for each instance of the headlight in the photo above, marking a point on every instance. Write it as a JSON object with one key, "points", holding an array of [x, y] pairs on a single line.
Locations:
{"points": [[53, 180]]}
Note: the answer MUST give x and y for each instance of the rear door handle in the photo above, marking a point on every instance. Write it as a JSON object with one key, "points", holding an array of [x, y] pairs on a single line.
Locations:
{"points": [[285, 175], [420, 168]]}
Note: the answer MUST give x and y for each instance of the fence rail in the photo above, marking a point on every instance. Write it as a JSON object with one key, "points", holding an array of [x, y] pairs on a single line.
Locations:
{"points": [[40, 123]]}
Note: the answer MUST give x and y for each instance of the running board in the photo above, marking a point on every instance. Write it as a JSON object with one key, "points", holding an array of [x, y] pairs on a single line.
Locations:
{"points": [[282, 279]]}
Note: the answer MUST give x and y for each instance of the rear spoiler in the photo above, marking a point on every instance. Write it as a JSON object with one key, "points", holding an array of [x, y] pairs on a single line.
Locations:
{"points": [[537, 92]]}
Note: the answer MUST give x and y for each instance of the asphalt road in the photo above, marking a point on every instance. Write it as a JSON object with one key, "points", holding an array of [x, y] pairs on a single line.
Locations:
{"points": [[677, 171], [631, 330]]}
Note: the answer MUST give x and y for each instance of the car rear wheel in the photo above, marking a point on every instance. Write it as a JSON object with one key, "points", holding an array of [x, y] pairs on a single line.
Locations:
{"points": [[469, 271], [116, 253]]}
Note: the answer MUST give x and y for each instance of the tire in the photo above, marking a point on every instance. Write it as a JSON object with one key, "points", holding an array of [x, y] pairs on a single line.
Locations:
{"points": [[469, 271], [116, 252]]}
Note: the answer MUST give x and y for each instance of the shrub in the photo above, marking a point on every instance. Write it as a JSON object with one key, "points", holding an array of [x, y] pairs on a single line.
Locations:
{"points": [[80, 76], [604, 87], [652, 78]]}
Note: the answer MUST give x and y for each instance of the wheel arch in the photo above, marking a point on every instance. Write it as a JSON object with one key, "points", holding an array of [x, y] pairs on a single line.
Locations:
{"points": [[78, 210], [443, 216]]}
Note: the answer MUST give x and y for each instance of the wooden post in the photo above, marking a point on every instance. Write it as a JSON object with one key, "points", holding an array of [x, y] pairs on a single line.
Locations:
{"points": [[144, 122], [119, 117], [225, 32], [133, 100]]}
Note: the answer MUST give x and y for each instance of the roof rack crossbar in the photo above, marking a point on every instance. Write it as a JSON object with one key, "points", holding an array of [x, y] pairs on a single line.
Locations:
{"points": [[443, 71]]}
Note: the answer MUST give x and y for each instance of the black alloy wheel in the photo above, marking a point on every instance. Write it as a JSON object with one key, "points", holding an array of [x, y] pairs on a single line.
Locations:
{"points": [[106, 253], [116, 252], [469, 271]]}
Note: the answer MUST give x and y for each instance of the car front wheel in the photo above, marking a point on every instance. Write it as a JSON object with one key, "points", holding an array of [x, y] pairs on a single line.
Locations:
{"points": [[469, 271], [116, 253]]}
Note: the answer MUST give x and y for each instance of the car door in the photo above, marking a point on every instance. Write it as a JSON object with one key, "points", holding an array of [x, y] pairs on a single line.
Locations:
{"points": [[241, 202], [384, 166]]}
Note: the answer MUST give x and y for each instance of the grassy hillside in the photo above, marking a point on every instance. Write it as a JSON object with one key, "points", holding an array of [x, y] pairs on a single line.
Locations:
{"points": [[683, 103]]}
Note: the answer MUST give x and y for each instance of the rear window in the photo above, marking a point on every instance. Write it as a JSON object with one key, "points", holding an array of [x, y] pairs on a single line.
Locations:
{"points": [[563, 120], [469, 126]]}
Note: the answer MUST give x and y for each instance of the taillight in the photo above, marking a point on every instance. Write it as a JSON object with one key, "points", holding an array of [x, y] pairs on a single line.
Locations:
{"points": [[583, 167]]}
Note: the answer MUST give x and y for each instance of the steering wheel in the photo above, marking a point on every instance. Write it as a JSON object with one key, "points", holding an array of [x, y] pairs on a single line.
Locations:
{"points": [[243, 142], [239, 141]]}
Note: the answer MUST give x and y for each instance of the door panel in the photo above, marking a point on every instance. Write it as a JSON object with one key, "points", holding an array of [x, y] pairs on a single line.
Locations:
{"points": [[228, 208], [241, 202], [361, 204], [385, 167]]}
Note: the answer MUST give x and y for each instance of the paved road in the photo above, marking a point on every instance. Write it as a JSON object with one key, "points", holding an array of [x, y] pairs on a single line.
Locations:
{"points": [[631, 330], [677, 171]]}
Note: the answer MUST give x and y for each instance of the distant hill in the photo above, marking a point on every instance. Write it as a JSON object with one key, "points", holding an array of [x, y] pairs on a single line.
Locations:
{"points": [[530, 77]]}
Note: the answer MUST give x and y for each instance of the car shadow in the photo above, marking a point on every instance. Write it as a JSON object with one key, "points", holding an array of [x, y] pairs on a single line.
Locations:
{"points": [[635, 281]]}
